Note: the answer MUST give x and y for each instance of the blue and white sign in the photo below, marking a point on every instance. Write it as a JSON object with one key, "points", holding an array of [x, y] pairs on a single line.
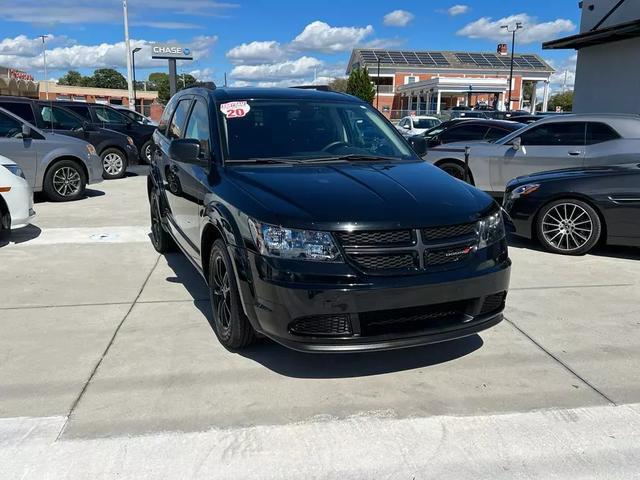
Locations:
{"points": [[173, 51]]}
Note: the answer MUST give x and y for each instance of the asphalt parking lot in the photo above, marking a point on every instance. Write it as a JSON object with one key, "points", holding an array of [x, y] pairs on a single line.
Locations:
{"points": [[105, 345]]}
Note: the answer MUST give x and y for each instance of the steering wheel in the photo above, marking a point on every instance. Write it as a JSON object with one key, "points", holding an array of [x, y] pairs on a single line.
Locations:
{"points": [[333, 145]]}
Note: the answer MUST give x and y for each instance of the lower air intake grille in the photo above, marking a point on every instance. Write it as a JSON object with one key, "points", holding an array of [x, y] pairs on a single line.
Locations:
{"points": [[385, 262], [493, 302], [322, 325]]}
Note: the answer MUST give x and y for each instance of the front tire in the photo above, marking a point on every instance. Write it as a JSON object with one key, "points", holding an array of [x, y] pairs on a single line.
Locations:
{"points": [[160, 238], [454, 169], [146, 152], [568, 227], [230, 324], [65, 181], [114, 164]]}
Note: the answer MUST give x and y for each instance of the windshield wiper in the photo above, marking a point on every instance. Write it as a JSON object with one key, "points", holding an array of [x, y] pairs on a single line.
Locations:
{"points": [[351, 157], [273, 160]]}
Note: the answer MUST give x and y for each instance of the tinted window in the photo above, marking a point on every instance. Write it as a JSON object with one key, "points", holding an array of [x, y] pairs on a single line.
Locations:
{"points": [[177, 121], [198, 126], [81, 110], [555, 134], [9, 128], [58, 118], [600, 132], [464, 132], [166, 115], [107, 115], [23, 110], [495, 133], [425, 123]]}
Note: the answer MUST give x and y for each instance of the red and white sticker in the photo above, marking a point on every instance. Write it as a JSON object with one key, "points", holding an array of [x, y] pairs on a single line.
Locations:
{"points": [[235, 109]]}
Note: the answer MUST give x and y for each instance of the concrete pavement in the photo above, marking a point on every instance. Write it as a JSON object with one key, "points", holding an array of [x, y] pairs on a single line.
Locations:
{"points": [[105, 349]]}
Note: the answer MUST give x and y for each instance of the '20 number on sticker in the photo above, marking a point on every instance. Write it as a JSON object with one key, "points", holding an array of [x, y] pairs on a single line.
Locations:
{"points": [[235, 109]]}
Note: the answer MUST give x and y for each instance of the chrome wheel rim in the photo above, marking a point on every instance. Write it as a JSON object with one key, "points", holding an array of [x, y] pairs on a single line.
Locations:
{"points": [[221, 291], [147, 152], [112, 164], [66, 181], [567, 227]]}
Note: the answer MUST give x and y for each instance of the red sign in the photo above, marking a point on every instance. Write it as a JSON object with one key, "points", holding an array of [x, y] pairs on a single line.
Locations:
{"points": [[502, 49], [20, 75]]}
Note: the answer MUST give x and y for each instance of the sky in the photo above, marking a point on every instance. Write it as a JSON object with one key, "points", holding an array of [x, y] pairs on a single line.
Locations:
{"points": [[275, 42]]}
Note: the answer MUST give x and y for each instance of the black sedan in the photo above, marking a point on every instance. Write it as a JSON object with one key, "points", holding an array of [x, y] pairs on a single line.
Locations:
{"points": [[472, 130], [570, 211]]}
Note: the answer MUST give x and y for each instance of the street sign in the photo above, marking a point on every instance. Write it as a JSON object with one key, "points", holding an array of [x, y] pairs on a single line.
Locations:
{"points": [[171, 51]]}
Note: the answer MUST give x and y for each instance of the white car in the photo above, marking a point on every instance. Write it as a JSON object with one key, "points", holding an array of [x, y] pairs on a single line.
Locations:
{"points": [[417, 124], [16, 197]]}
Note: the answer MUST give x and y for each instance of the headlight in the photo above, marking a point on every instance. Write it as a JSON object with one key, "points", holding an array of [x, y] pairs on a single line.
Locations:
{"points": [[523, 190], [15, 169], [490, 230], [282, 242], [91, 149], [130, 140]]}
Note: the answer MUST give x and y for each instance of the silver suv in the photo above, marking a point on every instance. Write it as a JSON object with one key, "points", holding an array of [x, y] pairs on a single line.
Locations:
{"points": [[60, 166], [567, 141]]}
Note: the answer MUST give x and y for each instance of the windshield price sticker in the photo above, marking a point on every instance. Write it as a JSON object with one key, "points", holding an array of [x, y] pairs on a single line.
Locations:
{"points": [[235, 109]]}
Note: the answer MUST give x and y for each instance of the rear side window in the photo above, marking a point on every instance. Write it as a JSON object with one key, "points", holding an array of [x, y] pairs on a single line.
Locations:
{"points": [[177, 121], [555, 134], [108, 115], [23, 110], [600, 132], [81, 110], [57, 118]]}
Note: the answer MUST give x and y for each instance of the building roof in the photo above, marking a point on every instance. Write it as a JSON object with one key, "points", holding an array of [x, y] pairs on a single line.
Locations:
{"points": [[448, 60], [95, 91], [614, 33]]}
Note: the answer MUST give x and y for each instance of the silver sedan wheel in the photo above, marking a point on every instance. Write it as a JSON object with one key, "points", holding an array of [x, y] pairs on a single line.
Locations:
{"points": [[567, 227], [147, 153], [112, 164], [66, 181]]}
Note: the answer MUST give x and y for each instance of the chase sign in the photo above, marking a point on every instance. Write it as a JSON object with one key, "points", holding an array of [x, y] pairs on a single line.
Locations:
{"points": [[170, 51]]}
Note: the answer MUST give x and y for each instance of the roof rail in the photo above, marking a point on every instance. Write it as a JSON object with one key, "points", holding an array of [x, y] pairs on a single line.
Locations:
{"points": [[322, 88]]}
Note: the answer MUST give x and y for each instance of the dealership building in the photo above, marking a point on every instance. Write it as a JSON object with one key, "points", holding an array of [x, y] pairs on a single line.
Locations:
{"points": [[607, 70], [432, 81]]}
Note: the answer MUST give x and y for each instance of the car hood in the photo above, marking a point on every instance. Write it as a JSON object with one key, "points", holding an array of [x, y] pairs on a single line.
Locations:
{"points": [[359, 195], [578, 172]]}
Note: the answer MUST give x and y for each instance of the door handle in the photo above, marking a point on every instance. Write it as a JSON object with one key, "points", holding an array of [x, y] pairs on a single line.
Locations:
{"points": [[575, 153]]}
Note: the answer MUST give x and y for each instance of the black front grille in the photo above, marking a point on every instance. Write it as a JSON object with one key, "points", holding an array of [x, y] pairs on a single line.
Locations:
{"points": [[413, 319], [377, 239], [493, 302], [444, 256], [448, 231], [401, 261], [322, 325]]}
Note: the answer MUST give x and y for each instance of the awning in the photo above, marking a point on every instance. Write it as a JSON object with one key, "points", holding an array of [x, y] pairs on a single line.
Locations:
{"points": [[460, 85], [622, 31]]}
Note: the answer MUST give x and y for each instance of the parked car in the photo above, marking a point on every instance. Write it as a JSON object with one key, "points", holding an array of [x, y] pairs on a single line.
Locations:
{"points": [[312, 234], [471, 130], [570, 211], [59, 165], [135, 116], [467, 114], [552, 143], [108, 117], [415, 125], [115, 149], [506, 114], [526, 119], [16, 197]]}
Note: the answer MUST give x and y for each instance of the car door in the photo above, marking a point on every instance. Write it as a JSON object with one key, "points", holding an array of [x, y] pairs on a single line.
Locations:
{"points": [[58, 120], [23, 151], [550, 146]]}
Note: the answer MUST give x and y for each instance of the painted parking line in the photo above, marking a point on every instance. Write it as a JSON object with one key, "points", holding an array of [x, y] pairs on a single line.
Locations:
{"points": [[87, 235]]}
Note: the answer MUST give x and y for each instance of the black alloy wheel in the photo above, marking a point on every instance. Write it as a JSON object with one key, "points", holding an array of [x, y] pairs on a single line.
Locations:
{"points": [[160, 238]]}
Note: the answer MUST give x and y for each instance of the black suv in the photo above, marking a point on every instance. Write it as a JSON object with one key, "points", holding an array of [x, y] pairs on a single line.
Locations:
{"points": [[472, 130], [115, 149], [108, 117], [315, 223]]}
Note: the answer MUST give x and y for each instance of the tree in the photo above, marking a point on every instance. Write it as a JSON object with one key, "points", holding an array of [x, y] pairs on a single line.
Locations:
{"points": [[108, 78], [359, 84], [72, 77], [338, 85], [563, 100], [160, 81]]}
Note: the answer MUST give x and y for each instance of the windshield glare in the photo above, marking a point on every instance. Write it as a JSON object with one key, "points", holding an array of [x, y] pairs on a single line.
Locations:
{"points": [[309, 130]]}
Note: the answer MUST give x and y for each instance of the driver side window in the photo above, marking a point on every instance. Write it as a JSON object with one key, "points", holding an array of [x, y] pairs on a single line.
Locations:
{"points": [[555, 134], [9, 127]]}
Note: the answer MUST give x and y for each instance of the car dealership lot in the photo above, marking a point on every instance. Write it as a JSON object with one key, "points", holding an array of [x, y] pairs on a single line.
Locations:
{"points": [[102, 337]]}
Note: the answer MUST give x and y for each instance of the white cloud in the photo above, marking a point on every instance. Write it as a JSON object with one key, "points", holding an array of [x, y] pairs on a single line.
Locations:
{"points": [[532, 31], [289, 69], [398, 18], [321, 37], [458, 10], [256, 53], [202, 74]]}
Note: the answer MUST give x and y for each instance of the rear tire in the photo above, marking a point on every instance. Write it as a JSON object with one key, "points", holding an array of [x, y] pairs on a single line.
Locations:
{"points": [[230, 324], [160, 238], [114, 164], [454, 169], [568, 227], [65, 181]]}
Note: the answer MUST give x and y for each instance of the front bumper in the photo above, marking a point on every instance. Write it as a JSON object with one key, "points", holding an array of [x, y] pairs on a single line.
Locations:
{"points": [[132, 154], [20, 202], [370, 309]]}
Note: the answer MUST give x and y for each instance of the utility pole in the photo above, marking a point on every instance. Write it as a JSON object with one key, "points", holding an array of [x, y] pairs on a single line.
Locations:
{"points": [[128, 47], [378, 87], [133, 67], [512, 31], [564, 83], [44, 62], [225, 79]]}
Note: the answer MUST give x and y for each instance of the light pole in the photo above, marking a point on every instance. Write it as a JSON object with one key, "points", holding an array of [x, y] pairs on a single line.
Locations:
{"points": [[378, 87], [513, 31], [128, 47], [44, 62], [133, 68]]}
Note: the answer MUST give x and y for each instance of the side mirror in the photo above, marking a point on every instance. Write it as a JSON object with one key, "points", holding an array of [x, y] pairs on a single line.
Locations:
{"points": [[516, 144], [406, 127], [419, 145], [186, 150], [26, 131]]}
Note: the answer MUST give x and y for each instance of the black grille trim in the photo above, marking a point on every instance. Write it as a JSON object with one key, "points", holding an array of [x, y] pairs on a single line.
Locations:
{"points": [[322, 326], [391, 238], [398, 261], [448, 231], [493, 303]]}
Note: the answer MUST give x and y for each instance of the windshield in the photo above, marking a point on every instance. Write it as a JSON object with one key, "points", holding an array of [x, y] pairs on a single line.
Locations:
{"points": [[299, 129], [425, 122]]}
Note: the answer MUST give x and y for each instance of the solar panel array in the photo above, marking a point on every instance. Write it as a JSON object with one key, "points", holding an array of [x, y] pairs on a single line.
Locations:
{"points": [[438, 59], [429, 59]]}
